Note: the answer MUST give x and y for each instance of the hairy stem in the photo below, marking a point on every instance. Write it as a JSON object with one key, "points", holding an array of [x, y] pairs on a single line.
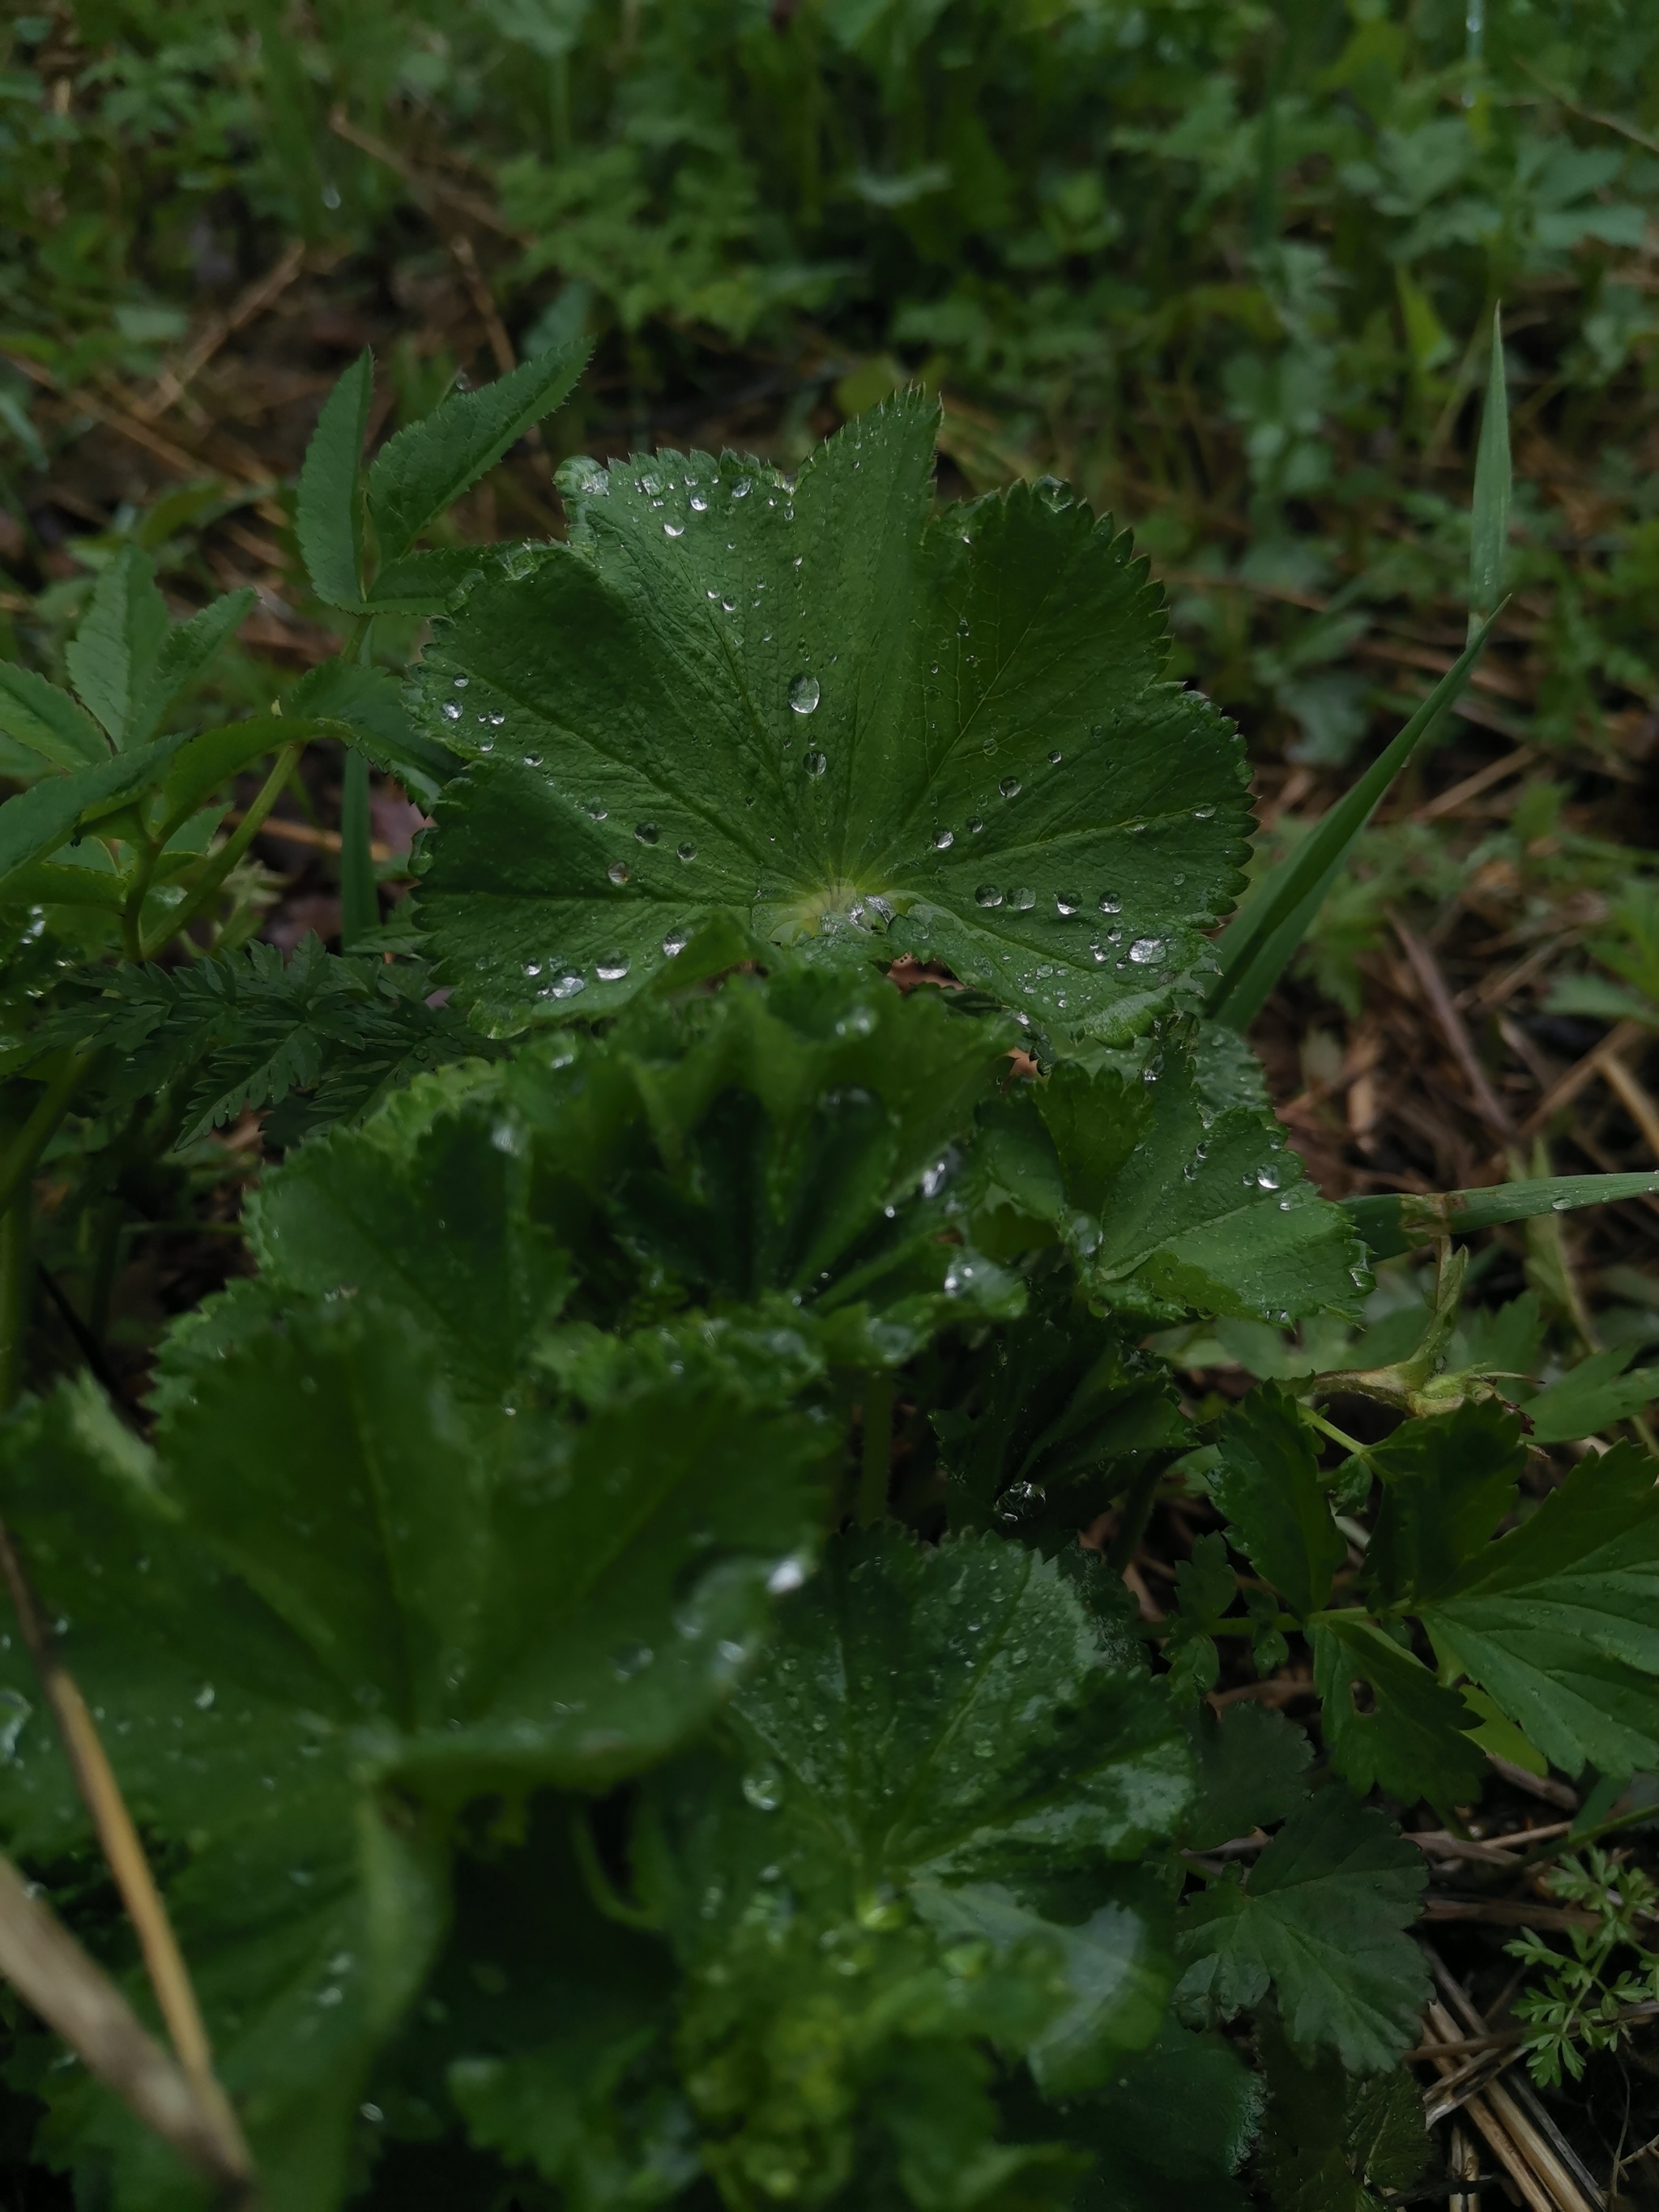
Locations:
{"points": [[23, 1156]]}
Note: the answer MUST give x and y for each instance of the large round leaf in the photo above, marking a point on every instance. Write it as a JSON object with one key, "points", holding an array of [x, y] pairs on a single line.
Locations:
{"points": [[866, 728]]}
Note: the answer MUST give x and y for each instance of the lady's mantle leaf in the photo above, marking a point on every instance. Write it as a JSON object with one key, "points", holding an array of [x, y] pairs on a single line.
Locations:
{"points": [[1322, 1919], [867, 729], [943, 1770], [338, 1588]]}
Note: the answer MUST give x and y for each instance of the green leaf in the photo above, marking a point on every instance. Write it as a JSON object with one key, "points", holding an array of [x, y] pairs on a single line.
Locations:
{"points": [[1489, 532], [1447, 1483], [1256, 946], [1412, 1742], [328, 518], [337, 1591], [207, 761], [242, 1029], [1169, 2134], [425, 469], [1268, 1483], [942, 1774], [1252, 1770], [1391, 1224], [1322, 1921], [1558, 1622], [424, 583], [354, 1211], [370, 702], [947, 736], [1331, 2141], [47, 720], [1062, 1413], [1591, 1397], [113, 658], [36, 822], [1200, 1207], [185, 650]]}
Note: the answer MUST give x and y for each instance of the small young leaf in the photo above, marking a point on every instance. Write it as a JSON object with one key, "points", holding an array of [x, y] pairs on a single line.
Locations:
{"points": [[1413, 1742], [1268, 1484], [425, 469], [1489, 534], [1252, 1770], [328, 518], [112, 658], [47, 720], [1329, 2141], [1323, 1922], [864, 729], [185, 650]]}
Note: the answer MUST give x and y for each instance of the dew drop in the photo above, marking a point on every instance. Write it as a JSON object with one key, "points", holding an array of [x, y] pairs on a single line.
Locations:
{"points": [[461, 683], [1054, 760], [943, 841], [612, 969], [676, 942], [1009, 787], [532, 760], [594, 808], [987, 895], [699, 504], [1067, 903], [630, 1659], [1110, 904], [646, 832], [763, 1786], [673, 529], [1560, 1205], [568, 985], [1203, 813], [618, 871], [1267, 1178], [814, 763], [804, 694], [1145, 949], [451, 712], [1022, 899], [975, 826]]}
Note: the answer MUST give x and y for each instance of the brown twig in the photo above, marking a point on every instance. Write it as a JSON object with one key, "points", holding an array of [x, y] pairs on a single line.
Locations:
{"points": [[425, 187], [1497, 771], [483, 300], [94, 1778], [1566, 1087], [74, 1995], [1426, 969], [263, 292]]}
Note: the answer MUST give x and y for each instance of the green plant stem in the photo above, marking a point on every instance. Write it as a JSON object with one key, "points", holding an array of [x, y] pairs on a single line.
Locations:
{"points": [[1355, 1449], [229, 853], [360, 905], [23, 1156], [876, 1468]]}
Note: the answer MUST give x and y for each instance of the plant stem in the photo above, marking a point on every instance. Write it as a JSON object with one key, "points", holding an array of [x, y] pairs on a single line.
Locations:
{"points": [[23, 1156], [229, 853], [877, 1462], [1355, 1449], [360, 907]]}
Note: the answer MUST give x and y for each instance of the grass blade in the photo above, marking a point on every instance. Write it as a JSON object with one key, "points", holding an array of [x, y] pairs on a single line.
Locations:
{"points": [[1256, 946], [1489, 531], [1391, 1224]]}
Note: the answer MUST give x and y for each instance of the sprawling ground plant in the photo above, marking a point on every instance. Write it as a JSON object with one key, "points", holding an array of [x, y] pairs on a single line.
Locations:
{"points": [[592, 1630]]}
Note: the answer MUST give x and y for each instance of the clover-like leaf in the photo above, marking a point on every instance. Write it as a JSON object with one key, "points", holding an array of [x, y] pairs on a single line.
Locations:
{"points": [[1413, 1742], [1322, 1919], [867, 728]]}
